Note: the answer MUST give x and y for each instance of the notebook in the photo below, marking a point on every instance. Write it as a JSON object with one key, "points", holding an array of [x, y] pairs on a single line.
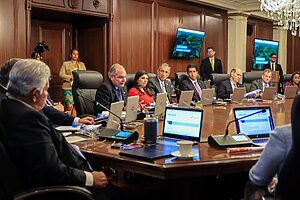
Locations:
{"points": [[185, 98], [207, 97], [181, 124], [268, 93], [160, 104], [238, 94], [131, 108], [290, 92], [258, 127]]}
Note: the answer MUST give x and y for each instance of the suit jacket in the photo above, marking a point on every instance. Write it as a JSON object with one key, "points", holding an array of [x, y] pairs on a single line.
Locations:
{"points": [[154, 86], [258, 84], [66, 73], [187, 84], [281, 78], [225, 89], [56, 117], [107, 94], [144, 98], [206, 68], [41, 153]]}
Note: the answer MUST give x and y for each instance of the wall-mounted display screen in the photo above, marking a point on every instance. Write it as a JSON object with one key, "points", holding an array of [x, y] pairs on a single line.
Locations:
{"points": [[188, 43], [262, 50]]}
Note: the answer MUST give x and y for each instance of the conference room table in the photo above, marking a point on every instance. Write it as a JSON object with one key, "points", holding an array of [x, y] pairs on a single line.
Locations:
{"points": [[181, 175]]}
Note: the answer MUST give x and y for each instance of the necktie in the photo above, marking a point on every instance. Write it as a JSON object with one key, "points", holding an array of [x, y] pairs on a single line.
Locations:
{"points": [[119, 92], [273, 66], [212, 64], [199, 91], [163, 88], [79, 153]]}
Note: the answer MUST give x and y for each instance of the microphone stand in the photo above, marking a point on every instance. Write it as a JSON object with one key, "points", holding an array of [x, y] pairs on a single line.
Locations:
{"points": [[102, 106], [227, 140]]}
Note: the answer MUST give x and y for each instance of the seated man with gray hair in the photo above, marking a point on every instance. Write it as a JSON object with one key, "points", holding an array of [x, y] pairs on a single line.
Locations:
{"points": [[42, 154]]}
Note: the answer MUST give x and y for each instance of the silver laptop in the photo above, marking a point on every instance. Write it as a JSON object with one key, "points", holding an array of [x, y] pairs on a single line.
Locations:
{"points": [[207, 96], [238, 94], [268, 93], [160, 104], [290, 91], [131, 108], [186, 98], [181, 124], [258, 127], [113, 122]]}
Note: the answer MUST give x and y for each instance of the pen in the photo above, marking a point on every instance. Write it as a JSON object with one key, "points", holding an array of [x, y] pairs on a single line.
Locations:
{"points": [[244, 149]]}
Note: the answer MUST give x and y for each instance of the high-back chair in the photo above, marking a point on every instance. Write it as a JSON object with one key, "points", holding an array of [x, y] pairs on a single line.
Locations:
{"points": [[84, 89], [130, 79], [248, 77], [217, 79], [287, 77]]}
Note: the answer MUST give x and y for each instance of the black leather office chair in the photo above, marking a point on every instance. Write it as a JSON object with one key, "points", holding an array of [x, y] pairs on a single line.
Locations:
{"points": [[85, 84], [248, 77], [217, 79], [130, 80], [287, 77]]}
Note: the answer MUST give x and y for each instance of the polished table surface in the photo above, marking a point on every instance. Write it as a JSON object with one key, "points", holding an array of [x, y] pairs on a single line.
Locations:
{"points": [[210, 161]]}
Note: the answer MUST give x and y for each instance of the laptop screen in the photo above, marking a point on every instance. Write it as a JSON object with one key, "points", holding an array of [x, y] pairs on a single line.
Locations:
{"points": [[257, 125], [183, 123]]}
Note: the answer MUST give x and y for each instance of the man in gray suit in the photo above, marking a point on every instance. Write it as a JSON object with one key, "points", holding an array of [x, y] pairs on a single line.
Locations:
{"points": [[160, 84], [265, 81]]}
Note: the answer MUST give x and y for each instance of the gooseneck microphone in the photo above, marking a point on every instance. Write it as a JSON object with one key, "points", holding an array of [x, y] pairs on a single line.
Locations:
{"points": [[227, 140], [102, 106]]}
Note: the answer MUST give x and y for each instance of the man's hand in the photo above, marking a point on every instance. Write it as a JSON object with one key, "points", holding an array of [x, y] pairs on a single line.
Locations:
{"points": [[86, 120], [100, 179]]}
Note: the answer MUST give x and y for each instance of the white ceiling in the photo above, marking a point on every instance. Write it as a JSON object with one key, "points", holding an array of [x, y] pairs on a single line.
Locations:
{"points": [[251, 7]]}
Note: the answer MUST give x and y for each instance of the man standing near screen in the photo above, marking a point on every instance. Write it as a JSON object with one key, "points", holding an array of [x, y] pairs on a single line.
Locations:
{"points": [[210, 65], [274, 66]]}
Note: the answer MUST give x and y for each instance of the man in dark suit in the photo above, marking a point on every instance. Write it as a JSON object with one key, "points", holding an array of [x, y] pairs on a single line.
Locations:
{"points": [[112, 90], [210, 65], [226, 87], [41, 154], [274, 66], [160, 84], [193, 83], [57, 117], [260, 84]]}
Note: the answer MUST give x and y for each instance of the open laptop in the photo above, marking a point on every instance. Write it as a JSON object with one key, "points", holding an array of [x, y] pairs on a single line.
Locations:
{"points": [[181, 124], [113, 122], [290, 91], [131, 108], [268, 93], [185, 98], [207, 96], [238, 94], [257, 127], [160, 104]]}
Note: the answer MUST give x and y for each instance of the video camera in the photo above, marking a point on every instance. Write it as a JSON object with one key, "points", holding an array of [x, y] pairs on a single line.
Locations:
{"points": [[41, 47]]}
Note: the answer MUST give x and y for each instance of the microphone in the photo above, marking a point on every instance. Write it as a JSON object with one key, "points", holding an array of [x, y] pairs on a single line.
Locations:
{"points": [[102, 106], [227, 140]]}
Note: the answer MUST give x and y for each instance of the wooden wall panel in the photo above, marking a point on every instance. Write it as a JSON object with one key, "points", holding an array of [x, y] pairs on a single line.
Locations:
{"points": [[261, 29], [12, 29], [293, 52], [169, 20], [132, 42]]}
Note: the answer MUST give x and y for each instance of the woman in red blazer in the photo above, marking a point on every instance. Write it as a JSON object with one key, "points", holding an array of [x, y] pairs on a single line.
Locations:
{"points": [[141, 89]]}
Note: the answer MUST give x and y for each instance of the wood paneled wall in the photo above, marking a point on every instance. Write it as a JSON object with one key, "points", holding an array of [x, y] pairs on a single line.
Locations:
{"points": [[293, 52], [143, 32], [260, 29]]}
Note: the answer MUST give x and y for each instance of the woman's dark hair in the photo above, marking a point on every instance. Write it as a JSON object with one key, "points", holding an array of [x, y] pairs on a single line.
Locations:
{"points": [[288, 177], [292, 77], [139, 74], [71, 51]]}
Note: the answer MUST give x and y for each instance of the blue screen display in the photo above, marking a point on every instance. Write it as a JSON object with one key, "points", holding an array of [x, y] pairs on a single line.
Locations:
{"points": [[188, 43], [262, 50], [123, 134]]}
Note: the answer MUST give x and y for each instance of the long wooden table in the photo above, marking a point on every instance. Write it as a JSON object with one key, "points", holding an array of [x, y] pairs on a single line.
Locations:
{"points": [[210, 162]]}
